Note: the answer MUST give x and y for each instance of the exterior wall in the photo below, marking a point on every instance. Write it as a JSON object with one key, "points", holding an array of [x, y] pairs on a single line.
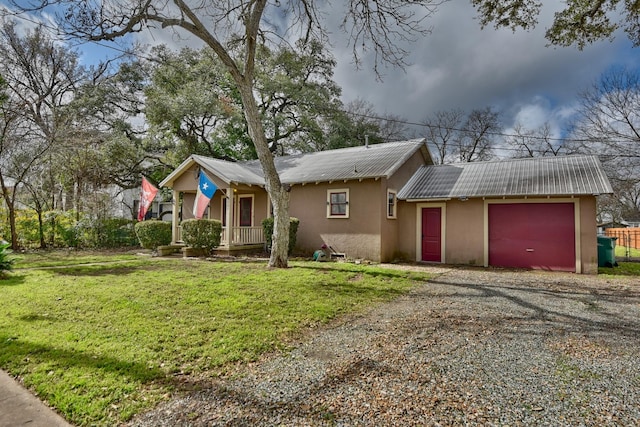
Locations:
{"points": [[357, 236], [588, 235], [464, 238], [464, 232], [390, 228]]}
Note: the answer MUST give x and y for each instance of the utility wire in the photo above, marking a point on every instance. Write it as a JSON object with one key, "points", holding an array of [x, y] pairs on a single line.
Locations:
{"points": [[56, 31]]}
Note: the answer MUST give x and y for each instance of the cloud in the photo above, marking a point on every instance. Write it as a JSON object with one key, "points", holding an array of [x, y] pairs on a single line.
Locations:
{"points": [[463, 66]]}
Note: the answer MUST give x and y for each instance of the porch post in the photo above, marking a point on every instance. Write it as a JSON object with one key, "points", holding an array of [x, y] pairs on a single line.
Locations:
{"points": [[175, 217], [229, 213]]}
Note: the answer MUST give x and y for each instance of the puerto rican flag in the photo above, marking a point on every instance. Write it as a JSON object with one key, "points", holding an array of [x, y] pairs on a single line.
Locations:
{"points": [[147, 194], [206, 188]]}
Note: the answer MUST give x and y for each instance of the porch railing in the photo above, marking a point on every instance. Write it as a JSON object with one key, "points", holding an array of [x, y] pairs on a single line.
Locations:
{"points": [[242, 236]]}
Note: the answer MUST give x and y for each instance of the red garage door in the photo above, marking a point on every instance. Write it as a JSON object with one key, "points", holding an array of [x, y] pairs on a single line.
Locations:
{"points": [[532, 235]]}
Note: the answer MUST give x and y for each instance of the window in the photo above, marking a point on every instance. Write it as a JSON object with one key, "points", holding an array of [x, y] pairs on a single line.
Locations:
{"points": [[392, 203], [338, 203]]}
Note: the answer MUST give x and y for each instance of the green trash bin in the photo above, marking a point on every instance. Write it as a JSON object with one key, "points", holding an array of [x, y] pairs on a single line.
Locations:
{"points": [[607, 251]]}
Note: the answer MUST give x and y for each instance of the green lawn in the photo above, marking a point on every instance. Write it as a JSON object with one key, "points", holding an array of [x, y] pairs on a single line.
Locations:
{"points": [[623, 269], [621, 252], [101, 343]]}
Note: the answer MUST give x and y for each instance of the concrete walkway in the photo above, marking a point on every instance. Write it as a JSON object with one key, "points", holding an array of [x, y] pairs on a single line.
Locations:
{"points": [[19, 407]]}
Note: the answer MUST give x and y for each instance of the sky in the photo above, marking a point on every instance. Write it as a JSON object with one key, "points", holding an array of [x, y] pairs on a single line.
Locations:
{"points": [[461, 66]]}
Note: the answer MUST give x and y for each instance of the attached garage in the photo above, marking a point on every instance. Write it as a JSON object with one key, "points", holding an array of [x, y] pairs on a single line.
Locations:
{"points": [[532, 235], [536, 213]]}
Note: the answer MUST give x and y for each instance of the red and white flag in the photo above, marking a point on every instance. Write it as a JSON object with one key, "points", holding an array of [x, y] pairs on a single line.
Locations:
{"points": [[147, 195]]}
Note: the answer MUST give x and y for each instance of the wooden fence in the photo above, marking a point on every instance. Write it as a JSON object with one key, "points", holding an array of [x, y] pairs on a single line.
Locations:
{"points": [[627, 237]]}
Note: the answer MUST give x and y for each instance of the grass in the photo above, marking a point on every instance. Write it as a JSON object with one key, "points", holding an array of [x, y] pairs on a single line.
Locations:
{"points": [[621, 252], [623, 269], [102, 343], [39, 259]]}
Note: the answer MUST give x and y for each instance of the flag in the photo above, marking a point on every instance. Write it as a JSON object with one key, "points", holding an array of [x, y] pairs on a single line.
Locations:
{"points": [[147, 195], [206, 188]]}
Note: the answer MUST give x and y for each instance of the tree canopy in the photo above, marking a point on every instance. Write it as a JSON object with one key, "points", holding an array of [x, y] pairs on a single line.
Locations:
{"points": [[580, 22]]}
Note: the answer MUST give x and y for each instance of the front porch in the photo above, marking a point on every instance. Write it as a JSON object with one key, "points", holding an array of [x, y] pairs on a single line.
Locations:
{"points": [[239, 238]]}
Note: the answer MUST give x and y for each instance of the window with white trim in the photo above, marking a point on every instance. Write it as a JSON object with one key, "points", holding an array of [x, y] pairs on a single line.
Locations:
{"points": [[338, 203], [392, 204]]}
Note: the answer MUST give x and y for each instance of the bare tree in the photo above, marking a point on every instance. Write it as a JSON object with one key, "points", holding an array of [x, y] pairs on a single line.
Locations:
{"points": [[478, 136], [443, 129], [608, 124], [40, 79], [533, 142], [222, 24]]}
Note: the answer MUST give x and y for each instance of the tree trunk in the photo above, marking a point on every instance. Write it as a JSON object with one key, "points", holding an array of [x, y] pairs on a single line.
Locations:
{"points": [[278, 193], [10, 202]]}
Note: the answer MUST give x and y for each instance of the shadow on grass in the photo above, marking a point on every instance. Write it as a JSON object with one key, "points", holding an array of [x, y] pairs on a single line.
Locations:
{"points": [[368, 270], [96, 270], [15, 349], [9, 279]]}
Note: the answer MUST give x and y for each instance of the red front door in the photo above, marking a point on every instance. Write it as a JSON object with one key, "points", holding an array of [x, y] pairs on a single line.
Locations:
{"points": [[431, 235]]}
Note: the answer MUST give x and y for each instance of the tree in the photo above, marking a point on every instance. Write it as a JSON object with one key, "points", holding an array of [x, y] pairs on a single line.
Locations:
{"points": [[533, 142], [443, 128], [463, 138], [223, 24], [608, 124], [40, 79], [192, 103], [581, 22]]}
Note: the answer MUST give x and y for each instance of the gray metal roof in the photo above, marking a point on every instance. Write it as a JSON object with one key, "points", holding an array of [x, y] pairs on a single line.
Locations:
{"points": [[543, 176], [374, 161], [231, 172]]}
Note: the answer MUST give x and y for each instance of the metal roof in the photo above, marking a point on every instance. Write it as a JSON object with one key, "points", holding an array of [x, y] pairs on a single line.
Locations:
{"points": [[374, 161], [543, 176]]}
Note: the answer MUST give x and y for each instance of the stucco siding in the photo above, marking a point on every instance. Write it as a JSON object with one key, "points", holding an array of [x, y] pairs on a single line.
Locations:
{"points": [[390, 227], [358, 236], [464, 232], [588, 235], [406, 241]]}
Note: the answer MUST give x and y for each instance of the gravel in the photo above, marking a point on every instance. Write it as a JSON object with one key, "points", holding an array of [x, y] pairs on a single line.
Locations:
{"points": [[469, 347]]}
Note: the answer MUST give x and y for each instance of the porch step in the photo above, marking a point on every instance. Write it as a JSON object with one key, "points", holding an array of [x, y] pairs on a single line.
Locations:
{"points": [[166, 250], [235, 250]]}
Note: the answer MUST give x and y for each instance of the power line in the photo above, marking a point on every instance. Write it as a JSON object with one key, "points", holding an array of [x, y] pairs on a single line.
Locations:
{"points": [[24, 16]]}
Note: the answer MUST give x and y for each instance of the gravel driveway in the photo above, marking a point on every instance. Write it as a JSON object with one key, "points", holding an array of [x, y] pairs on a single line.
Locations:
{"points": [[470, 347]]}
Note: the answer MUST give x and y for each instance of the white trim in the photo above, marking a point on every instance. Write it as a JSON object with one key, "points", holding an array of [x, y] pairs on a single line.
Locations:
{"points": [[395, 204], [333, 191], [576, 223], [443, 227]]}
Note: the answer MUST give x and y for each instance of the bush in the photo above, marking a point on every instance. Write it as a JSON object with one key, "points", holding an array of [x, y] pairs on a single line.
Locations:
{"points": [[202, 233], [153, 233], [107, 233], [267, 227], [6, 260]]}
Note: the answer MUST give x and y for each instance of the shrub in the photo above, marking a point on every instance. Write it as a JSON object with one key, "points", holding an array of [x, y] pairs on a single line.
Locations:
{"points": [[6, 260], [267, 227], [106, 233], [202, 233], [153, 233]]}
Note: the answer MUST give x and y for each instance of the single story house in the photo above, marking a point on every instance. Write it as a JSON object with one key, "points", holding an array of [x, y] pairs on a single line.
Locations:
{"points": [[388, 201]]}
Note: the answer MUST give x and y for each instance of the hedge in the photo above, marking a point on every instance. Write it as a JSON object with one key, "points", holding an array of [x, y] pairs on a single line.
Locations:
{"points": [[202, 233], [153, 233], [267, 227]]}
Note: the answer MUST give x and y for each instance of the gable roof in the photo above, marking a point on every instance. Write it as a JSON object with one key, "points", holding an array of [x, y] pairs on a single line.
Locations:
{"points": [[543, 176], [374, 161]]}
